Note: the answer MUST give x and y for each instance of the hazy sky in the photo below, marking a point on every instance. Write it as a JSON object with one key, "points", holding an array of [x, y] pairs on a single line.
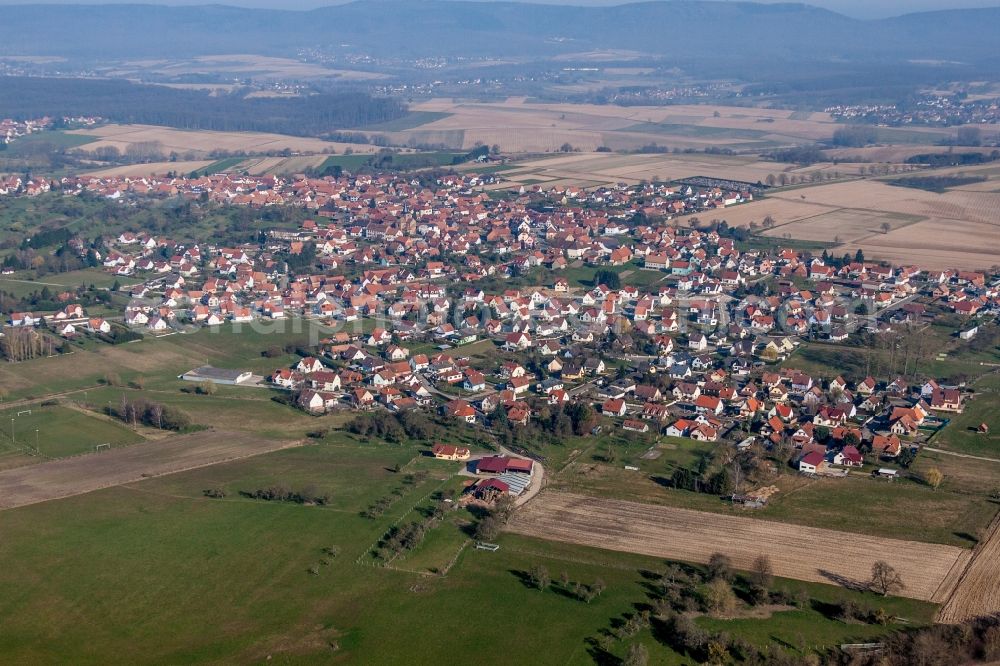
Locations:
{"points": [[858, 8]]}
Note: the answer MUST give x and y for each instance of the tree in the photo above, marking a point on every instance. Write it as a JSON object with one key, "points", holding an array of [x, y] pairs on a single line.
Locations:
{"points": [[933, 477], [720, 567], [885, 580], [598, 587], [610, 279], [762, 574], [968, 136], [637, 655], [717, 654], [488, 528], [718, 597], [540, 577], [885, 227], [206, 387]]}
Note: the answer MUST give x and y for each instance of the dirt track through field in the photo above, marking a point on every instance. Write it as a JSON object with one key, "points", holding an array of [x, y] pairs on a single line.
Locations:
{"points": [[929, 571], [84, 474], [977, 592]]}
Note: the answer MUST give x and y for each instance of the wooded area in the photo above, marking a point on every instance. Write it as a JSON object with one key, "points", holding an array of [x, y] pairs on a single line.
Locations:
{"points": [[23, 98]]}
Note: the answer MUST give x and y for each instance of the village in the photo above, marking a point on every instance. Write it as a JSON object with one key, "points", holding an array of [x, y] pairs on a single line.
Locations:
{"points": [[581, 297], [11, 130]]}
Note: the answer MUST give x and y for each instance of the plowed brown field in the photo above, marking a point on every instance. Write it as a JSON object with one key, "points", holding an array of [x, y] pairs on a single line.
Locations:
{"points": [[978, 590], [83, 474], [929, 571]]}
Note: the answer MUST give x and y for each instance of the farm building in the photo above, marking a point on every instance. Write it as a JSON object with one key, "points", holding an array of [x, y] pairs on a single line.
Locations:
{"points": [[503, 465], [489, 490], [217, 375]]}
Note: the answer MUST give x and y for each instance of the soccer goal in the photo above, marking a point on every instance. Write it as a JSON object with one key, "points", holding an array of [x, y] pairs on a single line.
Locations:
{"points": [[101, 447]]}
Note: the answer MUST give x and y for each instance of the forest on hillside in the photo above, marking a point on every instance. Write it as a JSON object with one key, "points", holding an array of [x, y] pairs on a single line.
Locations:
{"points": [[23, 98]]}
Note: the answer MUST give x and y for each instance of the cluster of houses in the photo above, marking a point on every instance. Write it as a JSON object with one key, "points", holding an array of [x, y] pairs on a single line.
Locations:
{"points": [[11, 130], [407, 274]]}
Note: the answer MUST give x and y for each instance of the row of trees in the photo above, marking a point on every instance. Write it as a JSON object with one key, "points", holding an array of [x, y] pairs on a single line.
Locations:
{"points": [[137, 411], [310, 494], [395, 428], [540, 579], [23, 344]]}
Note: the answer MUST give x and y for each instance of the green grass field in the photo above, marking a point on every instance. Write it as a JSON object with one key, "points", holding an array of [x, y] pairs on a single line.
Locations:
{"points": [[699, 131], [631, 274], [220, 166], [59, 431], [961, 435], [399, 160], [22, 284], [411, 120], [56, 138], [157, 572]]}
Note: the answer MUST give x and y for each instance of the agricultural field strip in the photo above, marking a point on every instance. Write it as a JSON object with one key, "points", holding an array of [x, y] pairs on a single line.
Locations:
{"points": [[929, 571], [977, 591], [84, 474]]}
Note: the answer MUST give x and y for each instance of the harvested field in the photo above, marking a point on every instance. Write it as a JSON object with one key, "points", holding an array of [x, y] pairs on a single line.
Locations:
{"points": [[933, 231], [204, 141], [242, 65], [152, 169], [83, 474], [893, 153], [978, 590], [282, 165], [929, 571], [521, 126], [588, 169]]}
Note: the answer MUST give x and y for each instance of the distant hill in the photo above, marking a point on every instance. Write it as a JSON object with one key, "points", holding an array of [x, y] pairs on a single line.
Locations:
{"points": [[680, 28]]}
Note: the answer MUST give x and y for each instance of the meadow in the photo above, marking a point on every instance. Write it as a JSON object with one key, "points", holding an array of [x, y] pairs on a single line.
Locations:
{"points": [[154, 565]]}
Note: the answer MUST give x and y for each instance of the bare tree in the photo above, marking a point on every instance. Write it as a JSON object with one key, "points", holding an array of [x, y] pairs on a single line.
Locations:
{"points": [[156, 414], [885, 580], [637, 655], [762, 574], [720, 566], [540, 577]]}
